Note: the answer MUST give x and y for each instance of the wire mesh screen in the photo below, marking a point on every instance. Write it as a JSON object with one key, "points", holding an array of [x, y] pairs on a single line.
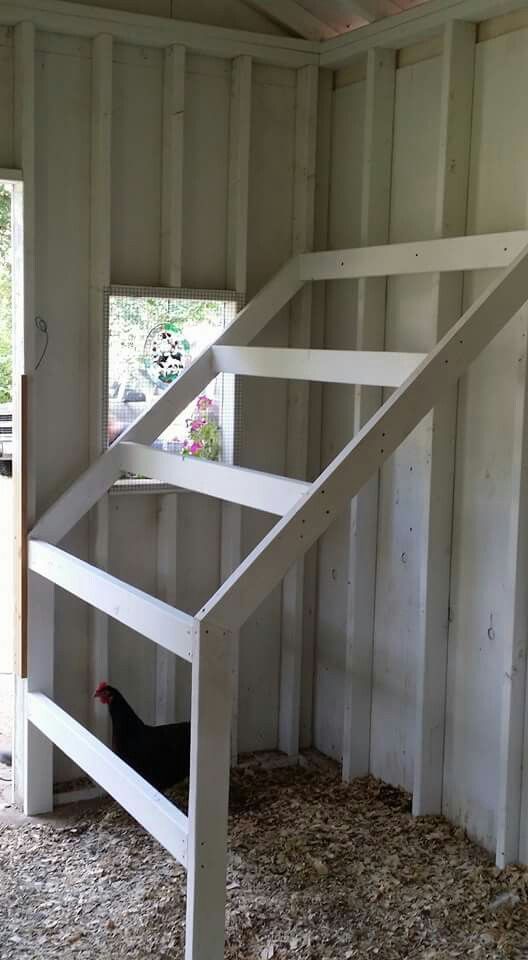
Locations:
{"points": [[152, 334]]}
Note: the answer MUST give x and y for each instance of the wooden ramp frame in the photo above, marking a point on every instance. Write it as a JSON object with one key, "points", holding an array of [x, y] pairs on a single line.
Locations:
{"points": [[305, 511]]}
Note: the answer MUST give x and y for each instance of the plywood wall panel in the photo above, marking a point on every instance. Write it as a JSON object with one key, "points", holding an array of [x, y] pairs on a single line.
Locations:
{"points": [[402, 504], [263, 403], [132, 557], [337, 425], [481, 595], [136, 165], [62, 238], [206, 148]]}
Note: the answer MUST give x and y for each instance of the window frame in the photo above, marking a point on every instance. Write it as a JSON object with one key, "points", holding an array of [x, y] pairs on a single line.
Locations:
{"points": [[141, 291]]}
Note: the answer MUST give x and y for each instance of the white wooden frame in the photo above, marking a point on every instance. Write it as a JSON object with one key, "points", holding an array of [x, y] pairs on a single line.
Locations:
{"points": [[360, 367], [207, 638]]}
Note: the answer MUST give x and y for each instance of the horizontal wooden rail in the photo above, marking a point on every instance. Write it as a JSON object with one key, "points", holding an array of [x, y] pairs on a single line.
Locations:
{"points": [[249, 488], [360, 367], [293, 535], [427, 256], [147, 615], [142, 801], [101, 475]]}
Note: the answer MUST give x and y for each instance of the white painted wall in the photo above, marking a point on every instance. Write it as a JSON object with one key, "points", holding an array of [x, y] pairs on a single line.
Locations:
{"points": [[63, 144], [481, 594], [481, 597]]}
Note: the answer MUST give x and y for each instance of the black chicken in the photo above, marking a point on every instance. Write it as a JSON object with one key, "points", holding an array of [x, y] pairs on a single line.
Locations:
{"points": [[160, 755]]}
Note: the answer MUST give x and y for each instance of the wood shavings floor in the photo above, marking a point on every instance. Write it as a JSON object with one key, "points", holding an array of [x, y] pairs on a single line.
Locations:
{"points": [[317, 871]]}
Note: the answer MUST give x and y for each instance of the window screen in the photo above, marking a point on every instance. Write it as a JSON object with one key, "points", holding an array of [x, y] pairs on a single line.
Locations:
{"points": [[152, 335]]}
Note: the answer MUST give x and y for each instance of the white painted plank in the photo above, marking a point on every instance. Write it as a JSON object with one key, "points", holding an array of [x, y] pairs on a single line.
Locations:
{"points": [[230, 558], [456, 103], [147, 615], [237, 246], [427, 256], [374, 367], [100, 243], [363, 520], [300, 333], [321, 219], [149, 807], [208, 794], [54, 16], [167, 574], [511, 845], [238, 190], [250, 488], [33, 773], [172, 165], [295, 17], [99, 477], [343, 478], [37, 781]]}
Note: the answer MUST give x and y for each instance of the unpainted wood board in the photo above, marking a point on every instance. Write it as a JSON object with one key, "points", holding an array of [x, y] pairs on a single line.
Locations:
{"points": [[132, 558], [136, 172], [402, 503], [481, 597], [205, 180], [337, 418]]}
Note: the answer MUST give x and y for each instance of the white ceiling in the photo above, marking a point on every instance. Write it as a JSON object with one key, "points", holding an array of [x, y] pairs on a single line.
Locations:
{"points": [[321, 19]]}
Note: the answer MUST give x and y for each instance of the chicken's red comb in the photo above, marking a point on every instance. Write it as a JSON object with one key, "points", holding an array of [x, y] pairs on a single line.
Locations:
{"points": [[100, 687]]}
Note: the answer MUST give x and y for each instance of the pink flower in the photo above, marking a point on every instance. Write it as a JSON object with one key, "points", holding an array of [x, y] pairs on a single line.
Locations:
{"points": [[196, 446], [203, 402], [197, 424]]}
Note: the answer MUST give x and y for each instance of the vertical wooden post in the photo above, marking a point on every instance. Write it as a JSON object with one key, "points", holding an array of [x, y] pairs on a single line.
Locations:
{"points": [[171, 275], [33, 768], [100, 277], [375, 215], [212, 675], [237, 233], [451, 212], [298, 405], [172, 166], [321, 210], [512, 801]]}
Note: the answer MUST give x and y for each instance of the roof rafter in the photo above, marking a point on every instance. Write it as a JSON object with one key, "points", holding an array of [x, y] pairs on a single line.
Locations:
{"points": [[290, 14]]}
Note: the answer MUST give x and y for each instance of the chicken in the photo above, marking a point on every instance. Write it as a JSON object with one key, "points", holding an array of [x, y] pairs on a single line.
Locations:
{"points": [[160, 754]]}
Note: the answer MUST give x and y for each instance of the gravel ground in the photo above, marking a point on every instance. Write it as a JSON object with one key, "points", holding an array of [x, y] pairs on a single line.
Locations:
{"points": [[317, 871]]}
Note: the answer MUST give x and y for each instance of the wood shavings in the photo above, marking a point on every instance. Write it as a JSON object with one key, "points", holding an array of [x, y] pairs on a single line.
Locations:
{"points": [[318, 870]]}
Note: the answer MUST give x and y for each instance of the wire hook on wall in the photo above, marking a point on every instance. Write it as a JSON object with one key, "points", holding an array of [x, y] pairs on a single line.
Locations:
{"points": [[42, 327]]}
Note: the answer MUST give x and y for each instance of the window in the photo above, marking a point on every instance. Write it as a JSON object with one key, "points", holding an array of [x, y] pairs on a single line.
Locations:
{"points": [[152, 336]]}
